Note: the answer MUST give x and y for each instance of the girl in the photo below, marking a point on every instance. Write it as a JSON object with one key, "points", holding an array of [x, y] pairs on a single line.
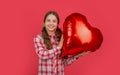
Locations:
{"points": [[48, 47]]}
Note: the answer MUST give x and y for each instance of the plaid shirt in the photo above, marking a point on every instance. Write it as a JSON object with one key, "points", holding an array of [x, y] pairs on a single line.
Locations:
{"points": [[49, 61]]}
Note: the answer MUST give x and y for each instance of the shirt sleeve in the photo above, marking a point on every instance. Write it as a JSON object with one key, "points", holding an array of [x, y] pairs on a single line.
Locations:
{"points": [[69, 60], [42, 52]]}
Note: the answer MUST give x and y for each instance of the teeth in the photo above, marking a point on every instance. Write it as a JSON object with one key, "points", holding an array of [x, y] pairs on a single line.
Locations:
{"points": [[50, 26]]}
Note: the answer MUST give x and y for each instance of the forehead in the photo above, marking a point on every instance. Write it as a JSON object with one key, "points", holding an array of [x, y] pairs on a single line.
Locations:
{"points": [[51, 16]]}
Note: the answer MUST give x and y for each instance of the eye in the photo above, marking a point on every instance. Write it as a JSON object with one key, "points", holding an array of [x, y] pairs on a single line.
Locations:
{"points": [[48, 20], [54, 21]]}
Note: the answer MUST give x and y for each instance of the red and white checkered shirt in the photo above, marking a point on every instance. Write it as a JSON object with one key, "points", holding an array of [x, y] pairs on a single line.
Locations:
{"points": [[49, 61]]}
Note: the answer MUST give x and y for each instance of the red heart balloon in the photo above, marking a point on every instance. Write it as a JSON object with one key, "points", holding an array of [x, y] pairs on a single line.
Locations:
{"points": [[79, 35]]}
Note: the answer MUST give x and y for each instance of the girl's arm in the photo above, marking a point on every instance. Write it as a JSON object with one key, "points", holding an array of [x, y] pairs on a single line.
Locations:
{"points": [[42, 52], [70, 59]]}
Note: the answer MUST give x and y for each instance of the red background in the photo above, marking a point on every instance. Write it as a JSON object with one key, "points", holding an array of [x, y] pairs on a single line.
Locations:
{"points": [[21, 20]]}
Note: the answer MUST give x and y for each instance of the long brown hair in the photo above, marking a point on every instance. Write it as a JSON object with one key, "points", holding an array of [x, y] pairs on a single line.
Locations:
{"points": [[45, 35]]}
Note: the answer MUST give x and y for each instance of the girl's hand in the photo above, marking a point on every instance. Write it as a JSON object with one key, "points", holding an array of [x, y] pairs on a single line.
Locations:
{"points": [[83, 54], [61, 42]]}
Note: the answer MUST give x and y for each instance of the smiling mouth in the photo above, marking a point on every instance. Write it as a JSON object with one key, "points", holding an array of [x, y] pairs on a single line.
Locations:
{"points": [[51, 26]]}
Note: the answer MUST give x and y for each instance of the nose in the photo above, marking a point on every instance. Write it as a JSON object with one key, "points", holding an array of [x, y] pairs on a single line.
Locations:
{"points": [[51, 23]]}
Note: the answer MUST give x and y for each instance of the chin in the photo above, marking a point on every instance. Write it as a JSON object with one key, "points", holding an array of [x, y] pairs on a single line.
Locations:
{"points": [[51, 30]]}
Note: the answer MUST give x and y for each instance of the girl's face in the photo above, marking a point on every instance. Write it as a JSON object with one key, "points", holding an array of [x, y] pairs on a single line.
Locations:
{"points": [[51, 23]]}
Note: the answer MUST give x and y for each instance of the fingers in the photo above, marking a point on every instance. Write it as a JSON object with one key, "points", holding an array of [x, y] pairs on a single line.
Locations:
{"points": [[62, 37], [61, 42], [85, 53]]}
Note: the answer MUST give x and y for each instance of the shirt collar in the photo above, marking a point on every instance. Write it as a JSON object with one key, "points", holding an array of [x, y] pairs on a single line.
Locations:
{"points": [[52, 36]]}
